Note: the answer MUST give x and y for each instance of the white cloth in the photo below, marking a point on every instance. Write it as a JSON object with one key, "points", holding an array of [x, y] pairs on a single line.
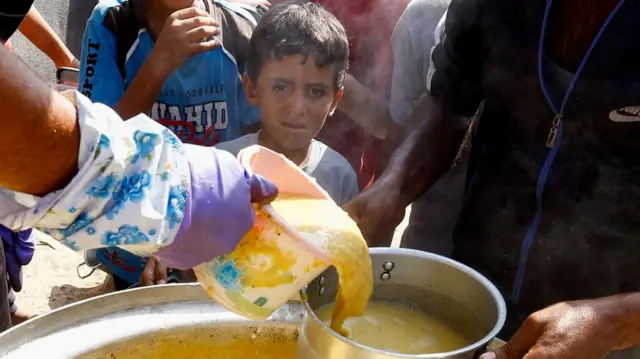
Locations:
{"points": [[132, 184]]}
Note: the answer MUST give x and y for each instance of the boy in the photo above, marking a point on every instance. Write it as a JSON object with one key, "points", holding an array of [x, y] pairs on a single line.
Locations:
{"points": [[297, 62], [177, 60], [298, 58]]}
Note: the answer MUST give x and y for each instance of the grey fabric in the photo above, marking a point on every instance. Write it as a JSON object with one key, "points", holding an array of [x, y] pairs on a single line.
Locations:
{"points": [[328, 167], [412, 42]]}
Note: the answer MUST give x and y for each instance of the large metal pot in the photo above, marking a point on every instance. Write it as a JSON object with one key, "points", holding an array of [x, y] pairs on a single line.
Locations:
{"points": [[436, 285], [170, 321]]}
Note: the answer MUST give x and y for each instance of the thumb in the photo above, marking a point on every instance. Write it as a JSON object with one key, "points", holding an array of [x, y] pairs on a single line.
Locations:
{"points": [[262, 191], [352, 209], [161, 273], [503, 352], [520, 343]]}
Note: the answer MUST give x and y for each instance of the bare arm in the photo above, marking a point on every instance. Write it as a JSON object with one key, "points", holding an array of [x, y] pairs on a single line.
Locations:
{"points": [[186, 32], [35, 29], [144, 89], [428, 150], [38, 124], [368, 110]]}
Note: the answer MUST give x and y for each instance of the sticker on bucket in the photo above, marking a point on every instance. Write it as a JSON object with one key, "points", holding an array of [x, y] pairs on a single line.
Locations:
{"points": [[227, 275]]}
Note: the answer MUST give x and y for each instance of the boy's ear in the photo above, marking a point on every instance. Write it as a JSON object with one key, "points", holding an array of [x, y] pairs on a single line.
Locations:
{"points": [[336, 101], [249, 90]]}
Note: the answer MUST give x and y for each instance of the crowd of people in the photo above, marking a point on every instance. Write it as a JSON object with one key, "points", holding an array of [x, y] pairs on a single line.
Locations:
{"points": [[510, 126]]}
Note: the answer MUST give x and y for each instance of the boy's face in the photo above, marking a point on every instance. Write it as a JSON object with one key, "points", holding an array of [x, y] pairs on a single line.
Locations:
{"points": [[295, 97]]}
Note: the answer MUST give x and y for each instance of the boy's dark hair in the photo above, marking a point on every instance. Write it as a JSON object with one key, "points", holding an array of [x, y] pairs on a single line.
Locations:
{"points": [[299, 28]]}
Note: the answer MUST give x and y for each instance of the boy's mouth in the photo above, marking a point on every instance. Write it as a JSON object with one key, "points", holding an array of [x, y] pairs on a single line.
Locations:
{"points": [[294, 126]]}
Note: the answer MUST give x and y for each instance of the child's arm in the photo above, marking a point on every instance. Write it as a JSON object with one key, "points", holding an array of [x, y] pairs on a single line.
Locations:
{"points": [[35, 29], [365, 108], [187, 32]]}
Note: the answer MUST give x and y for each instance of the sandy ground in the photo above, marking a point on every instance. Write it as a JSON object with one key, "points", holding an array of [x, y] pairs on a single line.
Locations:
{"points": [[51, 279]]}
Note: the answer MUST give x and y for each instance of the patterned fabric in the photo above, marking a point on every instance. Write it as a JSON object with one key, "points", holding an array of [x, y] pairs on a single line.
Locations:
{"points": [[131, 189]]}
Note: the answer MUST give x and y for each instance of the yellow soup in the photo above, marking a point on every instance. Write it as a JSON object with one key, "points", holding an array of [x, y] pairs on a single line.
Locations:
{"points": [[331, 229], [396, 328]]}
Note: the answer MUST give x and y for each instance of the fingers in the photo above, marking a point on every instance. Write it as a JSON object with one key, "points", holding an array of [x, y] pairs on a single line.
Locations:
{"points": [[148, 276], [189, 12], [262, 191], [519, 345], [161, 273]]}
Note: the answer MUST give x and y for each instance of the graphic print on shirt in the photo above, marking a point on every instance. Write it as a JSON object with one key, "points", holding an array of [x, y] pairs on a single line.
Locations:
{"points": [[200, 123], [626, 114], [202, 101]]}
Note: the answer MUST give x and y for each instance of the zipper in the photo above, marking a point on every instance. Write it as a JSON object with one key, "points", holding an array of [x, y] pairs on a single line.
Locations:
{"points": [[553, 131]]}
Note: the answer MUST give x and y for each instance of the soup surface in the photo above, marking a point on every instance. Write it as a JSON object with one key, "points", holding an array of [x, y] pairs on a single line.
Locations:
{"points": [[331, 229], [396, 328]]}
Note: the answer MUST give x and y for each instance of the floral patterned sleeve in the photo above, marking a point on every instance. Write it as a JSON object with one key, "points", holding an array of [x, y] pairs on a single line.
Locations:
{"points": [[131, 190]]}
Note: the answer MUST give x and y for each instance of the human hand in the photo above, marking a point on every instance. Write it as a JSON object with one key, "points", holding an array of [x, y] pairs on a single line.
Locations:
{"points": [[377, 211], [572, 330], [18, 250], [68, 61], [186, 32], [154, 273], [221, 210]]}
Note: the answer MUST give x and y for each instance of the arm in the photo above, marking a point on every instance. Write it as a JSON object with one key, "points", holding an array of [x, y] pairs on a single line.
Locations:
{"points": [[35, 29], [180, 38], [101, 181], [439, 120], [368, 110]]}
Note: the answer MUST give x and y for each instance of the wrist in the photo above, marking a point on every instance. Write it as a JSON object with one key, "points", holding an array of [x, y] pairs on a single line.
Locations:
{"points": [[623, 313], [159, 65]]}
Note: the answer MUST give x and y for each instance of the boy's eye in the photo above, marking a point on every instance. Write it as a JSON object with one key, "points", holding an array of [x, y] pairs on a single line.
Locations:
{"points": [[317, 92], [279, 87]]}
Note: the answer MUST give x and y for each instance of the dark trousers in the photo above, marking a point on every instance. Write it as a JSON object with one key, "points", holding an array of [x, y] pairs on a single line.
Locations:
{"points": [[5, 313]]}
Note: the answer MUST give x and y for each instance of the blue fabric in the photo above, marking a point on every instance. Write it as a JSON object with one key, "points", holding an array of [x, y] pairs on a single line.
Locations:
{"points": [[203, 101]]}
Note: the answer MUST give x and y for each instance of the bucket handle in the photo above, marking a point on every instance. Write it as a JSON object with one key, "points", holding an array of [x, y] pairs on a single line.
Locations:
{"points": [[91, 271]]}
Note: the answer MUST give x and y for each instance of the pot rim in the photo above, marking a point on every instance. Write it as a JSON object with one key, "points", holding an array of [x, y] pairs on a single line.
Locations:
{"points": [[495, 293]]}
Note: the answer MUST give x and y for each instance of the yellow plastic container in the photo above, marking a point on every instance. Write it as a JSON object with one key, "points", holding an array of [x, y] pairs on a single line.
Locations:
{"points": [[272, 262]]}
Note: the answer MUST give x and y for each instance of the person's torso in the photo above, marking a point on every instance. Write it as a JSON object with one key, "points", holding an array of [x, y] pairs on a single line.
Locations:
{"points": [[588, 242], [330, 170], [201, 101]]}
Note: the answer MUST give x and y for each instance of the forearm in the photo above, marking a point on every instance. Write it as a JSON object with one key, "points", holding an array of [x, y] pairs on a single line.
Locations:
{"points": [[38, 124], [143, 90], [623, 311], [37, 30], [368, 110], [427, 151]]}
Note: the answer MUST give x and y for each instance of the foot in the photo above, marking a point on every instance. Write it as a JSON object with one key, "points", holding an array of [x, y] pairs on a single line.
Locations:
{"points": [[20, 317]]}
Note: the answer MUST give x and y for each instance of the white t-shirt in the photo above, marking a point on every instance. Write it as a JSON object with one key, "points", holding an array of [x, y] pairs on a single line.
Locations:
{"points": [[332, 171]]}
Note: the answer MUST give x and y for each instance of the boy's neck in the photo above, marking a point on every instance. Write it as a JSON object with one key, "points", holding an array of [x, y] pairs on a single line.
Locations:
{"points": [[299, 156]]}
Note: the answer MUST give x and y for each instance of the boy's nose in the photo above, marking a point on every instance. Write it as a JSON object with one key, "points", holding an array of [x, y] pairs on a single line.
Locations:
{"points": [[297, 105]]}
